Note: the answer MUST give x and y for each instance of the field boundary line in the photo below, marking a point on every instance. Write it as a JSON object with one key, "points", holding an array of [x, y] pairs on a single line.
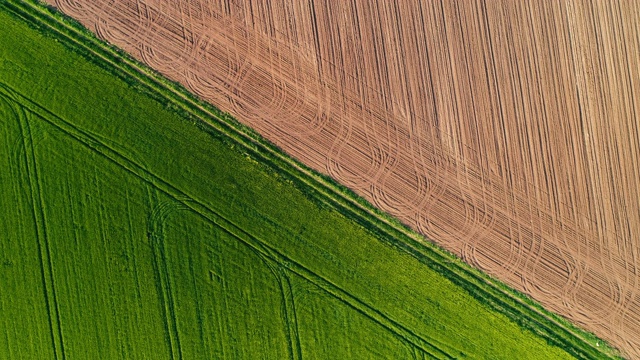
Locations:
{"points": [[492, 293]]}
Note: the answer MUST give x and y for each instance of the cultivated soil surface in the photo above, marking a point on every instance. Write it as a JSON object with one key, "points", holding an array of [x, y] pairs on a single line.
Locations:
{"points": [[506, 131]]}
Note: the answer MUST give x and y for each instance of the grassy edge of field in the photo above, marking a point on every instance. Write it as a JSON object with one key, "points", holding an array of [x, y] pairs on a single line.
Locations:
{"points": [[320, 188]]}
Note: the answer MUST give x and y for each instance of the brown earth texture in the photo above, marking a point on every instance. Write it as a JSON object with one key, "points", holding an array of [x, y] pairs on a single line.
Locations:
{"points": [[506, 131]]}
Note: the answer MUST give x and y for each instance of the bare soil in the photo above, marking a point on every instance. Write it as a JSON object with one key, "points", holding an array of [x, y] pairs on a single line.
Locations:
{"points": [[506, 131]]}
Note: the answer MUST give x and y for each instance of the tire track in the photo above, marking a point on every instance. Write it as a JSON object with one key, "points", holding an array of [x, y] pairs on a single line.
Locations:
{"points": [[44, 250], [288, 304], [155, 234]]}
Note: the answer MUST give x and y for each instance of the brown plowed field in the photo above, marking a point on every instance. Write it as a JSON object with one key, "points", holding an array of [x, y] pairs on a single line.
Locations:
{"points": [[507, 131]]}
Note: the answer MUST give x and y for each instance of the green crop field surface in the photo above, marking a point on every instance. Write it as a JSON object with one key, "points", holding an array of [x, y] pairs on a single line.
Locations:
{"points": [[130, 230]]}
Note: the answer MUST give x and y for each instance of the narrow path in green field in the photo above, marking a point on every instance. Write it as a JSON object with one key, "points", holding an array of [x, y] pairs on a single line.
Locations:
{"points": [[46, 267], [160, 235]]}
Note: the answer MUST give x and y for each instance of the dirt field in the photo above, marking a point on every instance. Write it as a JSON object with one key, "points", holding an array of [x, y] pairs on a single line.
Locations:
{"points": [[505, 131]]}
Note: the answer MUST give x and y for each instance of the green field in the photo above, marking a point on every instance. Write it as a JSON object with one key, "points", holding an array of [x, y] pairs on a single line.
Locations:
{"points": [[139, 223]]}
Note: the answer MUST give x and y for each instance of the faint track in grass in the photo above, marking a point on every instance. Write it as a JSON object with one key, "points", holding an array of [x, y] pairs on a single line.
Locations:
{"points": [[156, 236], [289, 316], [44, 248]]}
